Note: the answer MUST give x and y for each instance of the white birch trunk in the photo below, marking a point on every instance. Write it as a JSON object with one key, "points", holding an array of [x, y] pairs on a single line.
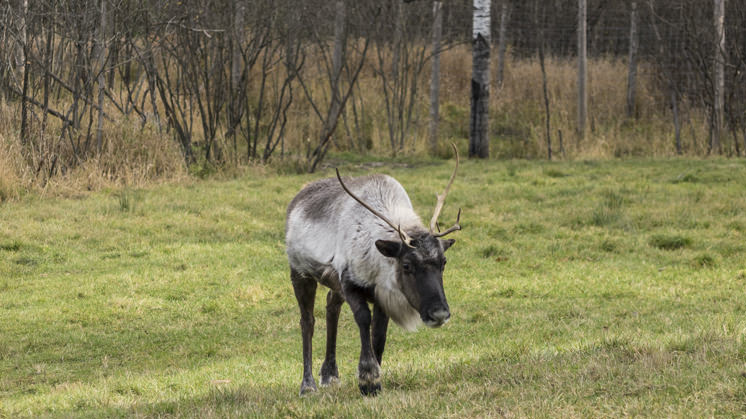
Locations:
{"points": [[480, 81]]}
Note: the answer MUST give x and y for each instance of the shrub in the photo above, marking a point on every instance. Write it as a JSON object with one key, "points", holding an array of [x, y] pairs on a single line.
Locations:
{"points": [[670, 242]]}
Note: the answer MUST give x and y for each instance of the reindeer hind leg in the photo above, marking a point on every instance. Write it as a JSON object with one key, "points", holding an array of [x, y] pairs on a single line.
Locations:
{"points": [[329, 373], [305, 293]]}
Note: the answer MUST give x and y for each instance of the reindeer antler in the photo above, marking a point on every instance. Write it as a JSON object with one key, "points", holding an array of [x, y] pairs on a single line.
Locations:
{"points": [[442, 201], [404, 237]]}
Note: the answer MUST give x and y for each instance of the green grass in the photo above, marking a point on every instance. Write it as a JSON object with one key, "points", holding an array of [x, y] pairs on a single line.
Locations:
{"points": [[591, 289]]}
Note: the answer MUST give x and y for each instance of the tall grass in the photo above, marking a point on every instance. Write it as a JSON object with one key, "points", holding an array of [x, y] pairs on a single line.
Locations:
{"points": [[132, 155]]}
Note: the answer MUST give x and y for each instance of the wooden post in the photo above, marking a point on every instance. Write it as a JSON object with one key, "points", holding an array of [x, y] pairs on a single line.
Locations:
{"points": [[234, 106], [539, 24], [435, 75], [582, 69], [101, 52], [25, 64], [340, 36], [502, 42], [480, 81], [719, 77], [632, 75]]}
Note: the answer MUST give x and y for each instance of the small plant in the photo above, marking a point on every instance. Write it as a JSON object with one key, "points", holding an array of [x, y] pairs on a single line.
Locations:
{"points": [[529, 228], [603, 216], [704, 261], [609, 246], [25, 261], [127, 200], [554, 173], [290, 165], [493, 252], [505, 293], [202, 169], [613, 200], [670, 242], [686, 178], [609, 210], [13, 246]]}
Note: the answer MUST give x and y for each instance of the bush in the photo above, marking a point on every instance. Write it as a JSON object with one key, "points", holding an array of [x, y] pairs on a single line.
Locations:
{"points": [[670, 242]]}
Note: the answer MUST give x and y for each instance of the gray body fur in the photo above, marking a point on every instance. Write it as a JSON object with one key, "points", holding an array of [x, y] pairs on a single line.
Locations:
{"points": [[327, 232]]}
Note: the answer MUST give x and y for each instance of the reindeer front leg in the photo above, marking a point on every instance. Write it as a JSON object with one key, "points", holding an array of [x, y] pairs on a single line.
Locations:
{"points": [[368, 369], [378, 334]]}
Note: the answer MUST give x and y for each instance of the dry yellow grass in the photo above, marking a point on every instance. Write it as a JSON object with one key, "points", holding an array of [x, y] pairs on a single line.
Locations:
{"points": [[134, 157], [130, 157]]}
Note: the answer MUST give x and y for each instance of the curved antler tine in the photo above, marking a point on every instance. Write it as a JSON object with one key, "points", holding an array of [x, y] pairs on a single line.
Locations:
{"points": [[442, 198], [404, 237], [455, 227]]}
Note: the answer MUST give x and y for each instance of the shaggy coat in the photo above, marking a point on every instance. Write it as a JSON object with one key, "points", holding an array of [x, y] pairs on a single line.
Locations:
{"points": [[388, 259], [328, 232]]}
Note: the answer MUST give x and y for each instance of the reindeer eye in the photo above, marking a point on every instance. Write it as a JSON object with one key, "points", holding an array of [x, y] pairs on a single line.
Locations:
{"points": [[407, 267]]}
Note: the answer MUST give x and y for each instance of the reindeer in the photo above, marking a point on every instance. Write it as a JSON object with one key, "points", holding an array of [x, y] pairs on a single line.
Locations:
{"points": [[362, 239]]}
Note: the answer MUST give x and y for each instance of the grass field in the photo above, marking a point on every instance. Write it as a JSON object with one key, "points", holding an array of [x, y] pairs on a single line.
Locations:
{"points": [[582, 289]]}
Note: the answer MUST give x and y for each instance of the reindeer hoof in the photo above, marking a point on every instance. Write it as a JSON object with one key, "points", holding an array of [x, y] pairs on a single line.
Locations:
{"points": [[329, 380], [370, 389], [307, 387], [329, 374], [369, 377]]}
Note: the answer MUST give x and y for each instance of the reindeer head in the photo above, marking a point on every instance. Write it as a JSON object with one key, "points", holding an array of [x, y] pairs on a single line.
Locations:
{"points": [[420, 259]]}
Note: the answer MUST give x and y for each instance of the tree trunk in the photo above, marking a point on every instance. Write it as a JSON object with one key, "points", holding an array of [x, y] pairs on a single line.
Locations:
{"points": [[101, 58], [335, 106], [502, 42], [676, 120], [718, 77], [546, 94], [582, 69], [235, 104], [480, 81], [395, 127], [48, 54], [340, 35], [632, 75], [24, 63], [435, 75]]}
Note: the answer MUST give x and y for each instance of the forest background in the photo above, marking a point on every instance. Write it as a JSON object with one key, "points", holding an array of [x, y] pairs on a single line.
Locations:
{"points": [[121, 92]]}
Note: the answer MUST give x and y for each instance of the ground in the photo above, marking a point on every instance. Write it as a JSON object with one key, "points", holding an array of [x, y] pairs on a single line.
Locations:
{"points": [[577, 289]]}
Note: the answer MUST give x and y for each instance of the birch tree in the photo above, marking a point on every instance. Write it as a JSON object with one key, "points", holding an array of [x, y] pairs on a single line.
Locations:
{"points": [[480, 81]]}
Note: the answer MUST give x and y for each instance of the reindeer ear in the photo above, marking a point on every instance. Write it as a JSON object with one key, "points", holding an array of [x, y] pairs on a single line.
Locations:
{"points": [[447, 243], [389, 248]]}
